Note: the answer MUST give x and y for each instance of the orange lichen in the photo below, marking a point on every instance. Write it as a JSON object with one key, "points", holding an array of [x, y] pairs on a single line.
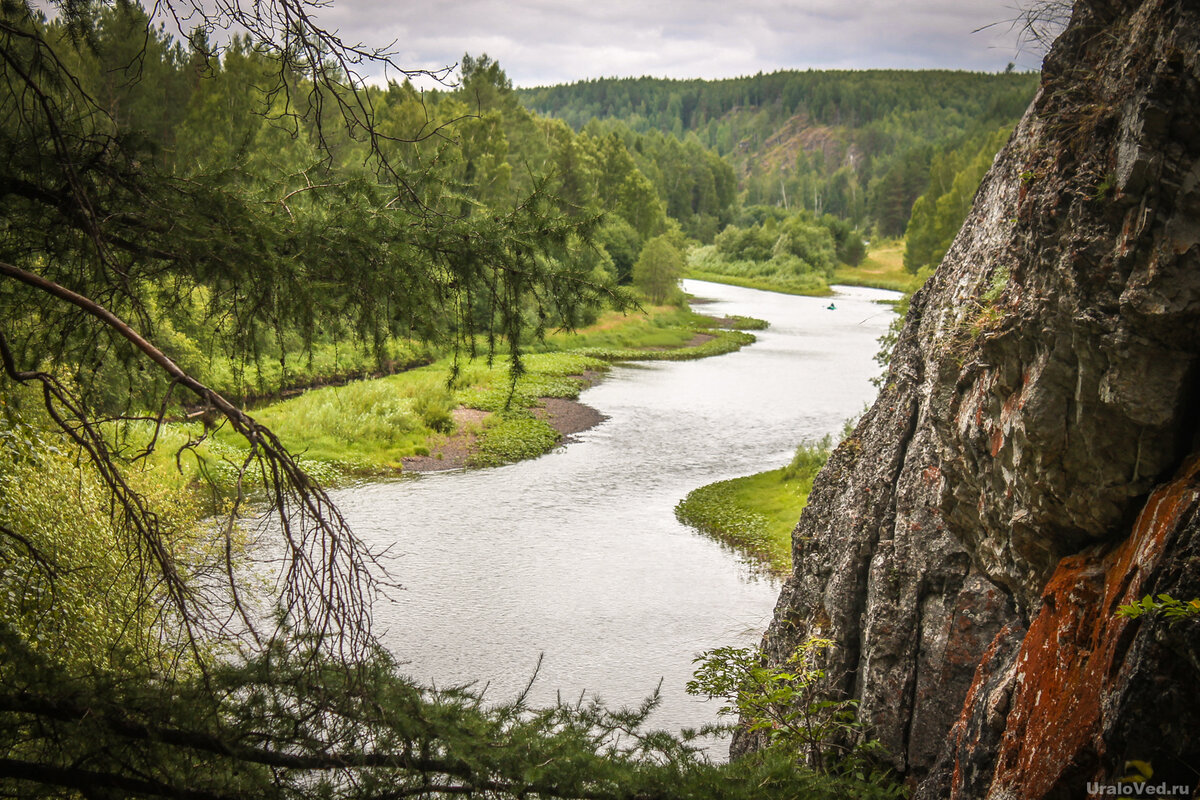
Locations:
{"points": [[997, 441], [1073, 651], [960, 732]]}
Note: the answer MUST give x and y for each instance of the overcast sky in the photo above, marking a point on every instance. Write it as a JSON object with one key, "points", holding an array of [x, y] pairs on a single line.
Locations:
{"points": [[540, 42]]}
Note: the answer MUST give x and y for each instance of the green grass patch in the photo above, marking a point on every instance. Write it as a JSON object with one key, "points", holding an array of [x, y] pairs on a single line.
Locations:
{"points": [[808, 285], [720, 343], [512, 436], [656, 326], [883, 268], [738, 322], [365, 425], [756, 514]]}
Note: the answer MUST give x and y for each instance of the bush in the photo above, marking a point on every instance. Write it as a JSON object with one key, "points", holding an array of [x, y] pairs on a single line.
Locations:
{"points": [[791, 707]]}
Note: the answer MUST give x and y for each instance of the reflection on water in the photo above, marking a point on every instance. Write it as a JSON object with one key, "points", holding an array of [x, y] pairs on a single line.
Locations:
{"points": [[577, 555]]}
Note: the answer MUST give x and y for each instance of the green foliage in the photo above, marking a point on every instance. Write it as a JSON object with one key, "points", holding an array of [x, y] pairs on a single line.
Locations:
{"points": [[658, 270], [789, 705], [61, 555], [996, 286], [71, 586], [774, 250], [622, 243], [810, 243], [864, 138], [1169, 608], [512, 436], [808, 461], [291, 724], [937, 215], [757, 513]]}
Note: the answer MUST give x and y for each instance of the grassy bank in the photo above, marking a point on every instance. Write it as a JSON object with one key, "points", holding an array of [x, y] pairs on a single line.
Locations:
{"points": [[465, 414], [810, 285], [756, 514], [372, 426], [883, 268]]}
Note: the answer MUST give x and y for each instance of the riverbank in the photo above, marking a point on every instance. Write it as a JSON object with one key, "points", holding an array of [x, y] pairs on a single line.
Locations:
{"points": [[451, 415], [882, 268], [564, 416], [755, 514]]}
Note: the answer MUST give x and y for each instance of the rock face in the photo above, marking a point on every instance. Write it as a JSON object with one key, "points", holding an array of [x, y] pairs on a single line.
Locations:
{"points": [[1026, 469]]}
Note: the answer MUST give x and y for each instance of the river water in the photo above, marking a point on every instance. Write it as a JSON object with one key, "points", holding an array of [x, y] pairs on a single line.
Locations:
{"points": [[577, 556]]}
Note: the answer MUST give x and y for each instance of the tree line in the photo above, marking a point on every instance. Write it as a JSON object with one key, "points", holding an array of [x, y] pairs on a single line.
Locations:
{"points": [[855, 144]]}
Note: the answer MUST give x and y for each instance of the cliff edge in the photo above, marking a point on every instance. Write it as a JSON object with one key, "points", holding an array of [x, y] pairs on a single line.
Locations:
{"points": [[1029, 466]]}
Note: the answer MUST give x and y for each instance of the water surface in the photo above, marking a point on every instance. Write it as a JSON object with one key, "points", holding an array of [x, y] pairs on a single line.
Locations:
{"points": [[577, 556]]}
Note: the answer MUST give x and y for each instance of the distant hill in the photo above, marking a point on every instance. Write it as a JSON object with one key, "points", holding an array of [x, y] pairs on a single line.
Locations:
{"points": [[857, 144]]}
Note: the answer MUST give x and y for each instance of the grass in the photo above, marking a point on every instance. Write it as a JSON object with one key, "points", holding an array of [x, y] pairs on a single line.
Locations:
{"points": [[656, 326], [811, 286], [370, 426], [512, 436], [883, 268], [756, 514], [363, 424]]}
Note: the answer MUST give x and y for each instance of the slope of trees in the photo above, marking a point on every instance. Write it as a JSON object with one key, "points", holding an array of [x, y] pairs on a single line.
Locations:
{"points": [[853, 144], [831, 97], [937, 214]]}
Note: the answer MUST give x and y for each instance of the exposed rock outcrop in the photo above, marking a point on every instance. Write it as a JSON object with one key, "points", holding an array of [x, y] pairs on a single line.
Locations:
{"points": [[1025, 469]]}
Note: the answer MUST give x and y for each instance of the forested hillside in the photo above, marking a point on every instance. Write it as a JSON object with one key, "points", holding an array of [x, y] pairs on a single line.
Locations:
{"points": [[855, 144]]}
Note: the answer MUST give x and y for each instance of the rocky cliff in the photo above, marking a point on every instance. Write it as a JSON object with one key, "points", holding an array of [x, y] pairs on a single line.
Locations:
{"points": [[1027, 467]]}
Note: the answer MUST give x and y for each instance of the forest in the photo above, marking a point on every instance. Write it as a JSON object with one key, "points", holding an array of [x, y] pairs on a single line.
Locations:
{"points": [[198, 220], [855, 144]]}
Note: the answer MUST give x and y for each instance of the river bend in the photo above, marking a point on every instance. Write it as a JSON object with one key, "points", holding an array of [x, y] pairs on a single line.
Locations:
{"points": [[576, 556]]}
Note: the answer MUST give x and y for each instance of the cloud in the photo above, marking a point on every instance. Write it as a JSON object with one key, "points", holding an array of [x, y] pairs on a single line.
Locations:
{"points": [[541, 42]]}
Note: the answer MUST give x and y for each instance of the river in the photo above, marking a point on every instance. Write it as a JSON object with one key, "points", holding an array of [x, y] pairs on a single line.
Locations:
{"points": [[577, 556]]}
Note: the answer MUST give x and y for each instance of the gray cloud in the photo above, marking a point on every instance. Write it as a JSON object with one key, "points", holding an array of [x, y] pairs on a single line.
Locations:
{"points": [[541, 42]]}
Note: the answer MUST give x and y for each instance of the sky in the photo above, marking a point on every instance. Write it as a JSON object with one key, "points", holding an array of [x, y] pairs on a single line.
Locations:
{"points": [[543, 42]]}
